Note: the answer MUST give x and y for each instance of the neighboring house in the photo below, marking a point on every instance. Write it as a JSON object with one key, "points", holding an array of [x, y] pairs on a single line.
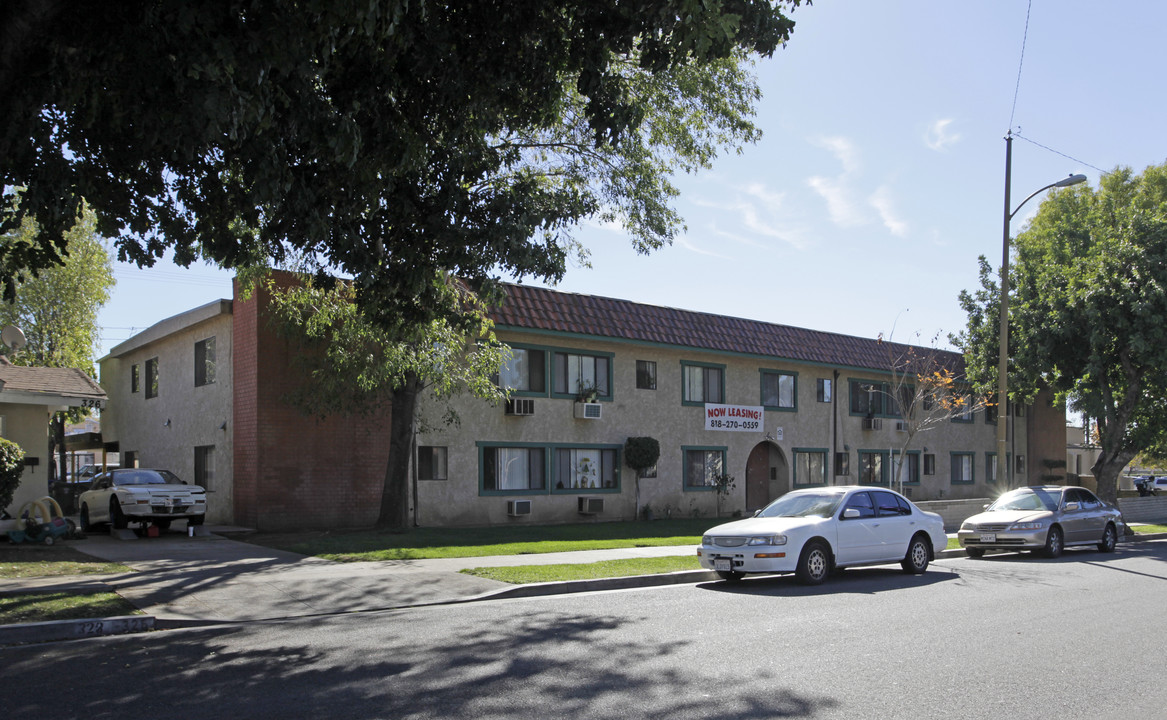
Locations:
{"points": [[28, 398], [802, 399]]}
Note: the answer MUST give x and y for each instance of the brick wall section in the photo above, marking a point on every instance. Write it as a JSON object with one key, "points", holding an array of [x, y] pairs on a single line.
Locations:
{"points": [[294, 471], [955, 512], [1144, 509]]}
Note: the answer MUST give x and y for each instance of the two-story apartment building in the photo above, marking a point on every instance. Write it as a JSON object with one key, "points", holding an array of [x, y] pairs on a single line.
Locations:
{"points": [[771, 406]]}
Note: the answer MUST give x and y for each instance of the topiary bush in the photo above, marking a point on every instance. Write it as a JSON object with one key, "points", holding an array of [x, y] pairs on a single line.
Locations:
{"points": [[641, 453], [11, 468]]}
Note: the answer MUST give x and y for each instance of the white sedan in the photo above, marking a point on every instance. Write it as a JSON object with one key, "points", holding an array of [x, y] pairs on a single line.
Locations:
{"points": [[812, 531], [139, 495]]}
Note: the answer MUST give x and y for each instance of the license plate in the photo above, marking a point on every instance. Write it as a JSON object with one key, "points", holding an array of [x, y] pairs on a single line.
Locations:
{"points": [[723, 564], [988, 537]]}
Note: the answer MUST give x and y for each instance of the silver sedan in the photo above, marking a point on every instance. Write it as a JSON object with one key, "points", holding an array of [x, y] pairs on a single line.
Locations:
{"points": [[1047, 518]]}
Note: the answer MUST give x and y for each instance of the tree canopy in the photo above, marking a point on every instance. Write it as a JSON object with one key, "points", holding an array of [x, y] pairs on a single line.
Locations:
{"points": [[390, 142], [1090, 295]]}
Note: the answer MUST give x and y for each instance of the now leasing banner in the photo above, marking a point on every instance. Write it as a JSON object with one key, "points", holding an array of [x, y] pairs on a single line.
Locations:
{"points": [[739, 418]]}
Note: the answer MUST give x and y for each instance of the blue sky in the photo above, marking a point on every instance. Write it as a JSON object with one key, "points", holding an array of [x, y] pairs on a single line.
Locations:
{"points": [[880, 177]]}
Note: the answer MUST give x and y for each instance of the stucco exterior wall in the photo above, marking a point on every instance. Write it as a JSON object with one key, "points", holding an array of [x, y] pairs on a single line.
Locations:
{"points": [[163, 431], [28, 427], [811, 425]]}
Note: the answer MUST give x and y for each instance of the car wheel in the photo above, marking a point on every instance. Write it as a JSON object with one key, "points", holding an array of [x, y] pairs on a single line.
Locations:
{"points": [[85, 525], [731, 576], [195, 520], [117, 516], [916, 561], [1109, 539], [814, 564], [975, 552], [1053, 542]]}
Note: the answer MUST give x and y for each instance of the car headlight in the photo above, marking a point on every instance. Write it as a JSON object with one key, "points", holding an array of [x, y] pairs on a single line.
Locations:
{"points": [[706, 540], [965, 526], [768, 540], [1027, 526]]}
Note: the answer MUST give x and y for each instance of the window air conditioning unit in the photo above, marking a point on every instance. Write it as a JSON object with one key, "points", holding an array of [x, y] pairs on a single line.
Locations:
{"points": [[588, 411], [872, 423], [518, 508], [590, 505], [520, 406]]}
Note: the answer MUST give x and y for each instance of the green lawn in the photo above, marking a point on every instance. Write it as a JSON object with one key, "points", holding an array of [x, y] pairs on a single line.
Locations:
{"points": [[425, 543], [42, 607], [1148, 529], [21, 561]]}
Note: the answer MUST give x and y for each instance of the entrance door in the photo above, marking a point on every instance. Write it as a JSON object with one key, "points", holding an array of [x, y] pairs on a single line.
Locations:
{"points": [[758, 478]]}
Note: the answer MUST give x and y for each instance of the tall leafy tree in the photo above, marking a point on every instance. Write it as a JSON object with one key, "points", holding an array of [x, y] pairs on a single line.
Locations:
{"points": [[390, 141], [57, 308], [1090, 295]]}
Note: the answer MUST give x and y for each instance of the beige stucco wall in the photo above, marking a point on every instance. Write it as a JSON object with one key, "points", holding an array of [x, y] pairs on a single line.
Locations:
{"points": [[660, 414], [28, 427], [164, 431]]}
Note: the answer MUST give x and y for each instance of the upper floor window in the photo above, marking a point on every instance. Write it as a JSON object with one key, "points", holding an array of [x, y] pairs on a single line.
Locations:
{"points": [[645, 375], [578, 374], [135, 378], [823, 390], [703, 383], [867, 398], [205, 362], [152, 378], [963, 411], [524, 372], [778, 390]]}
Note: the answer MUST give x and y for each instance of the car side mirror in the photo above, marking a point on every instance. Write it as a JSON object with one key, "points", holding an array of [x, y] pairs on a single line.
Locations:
{"points": [[1072, 506], [757, 512], [850, 513], [985, 506]]}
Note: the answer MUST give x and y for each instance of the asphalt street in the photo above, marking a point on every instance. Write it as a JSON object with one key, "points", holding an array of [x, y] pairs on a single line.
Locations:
{"points": [[1003, 637]]}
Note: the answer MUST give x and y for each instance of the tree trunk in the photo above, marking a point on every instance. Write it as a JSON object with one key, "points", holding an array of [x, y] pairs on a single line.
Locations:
{"points": [[394, 513], [1106, 471]]}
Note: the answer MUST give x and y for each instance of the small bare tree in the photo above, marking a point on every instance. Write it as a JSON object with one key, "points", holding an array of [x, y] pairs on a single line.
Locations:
{"points": [[925, 389]]}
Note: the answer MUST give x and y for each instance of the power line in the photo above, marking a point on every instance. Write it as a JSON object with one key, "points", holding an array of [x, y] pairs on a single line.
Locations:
{"points": [[1020, 64], [1058, 152]]}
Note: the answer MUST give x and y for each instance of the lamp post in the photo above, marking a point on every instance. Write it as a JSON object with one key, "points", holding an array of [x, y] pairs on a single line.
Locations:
{"points": [[1003, 346]]}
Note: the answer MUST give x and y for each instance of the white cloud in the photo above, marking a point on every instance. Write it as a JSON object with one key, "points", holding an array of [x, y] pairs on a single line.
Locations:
{"points": [[841, 206], [881, 200], [683, 242], [939, 137]]}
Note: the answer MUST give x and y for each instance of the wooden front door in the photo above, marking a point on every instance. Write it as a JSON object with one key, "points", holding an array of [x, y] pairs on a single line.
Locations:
{"points": [[758, 478]]}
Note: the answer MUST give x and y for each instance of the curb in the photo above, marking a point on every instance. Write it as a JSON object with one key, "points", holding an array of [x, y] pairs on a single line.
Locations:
{"points": [[54, 630]]}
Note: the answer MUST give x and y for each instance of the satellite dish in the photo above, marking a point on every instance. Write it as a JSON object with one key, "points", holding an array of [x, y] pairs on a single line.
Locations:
{"points": [[13, 337]]}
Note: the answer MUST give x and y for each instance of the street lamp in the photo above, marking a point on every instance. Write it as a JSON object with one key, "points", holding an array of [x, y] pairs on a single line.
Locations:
{"points": [[1003, 356]]}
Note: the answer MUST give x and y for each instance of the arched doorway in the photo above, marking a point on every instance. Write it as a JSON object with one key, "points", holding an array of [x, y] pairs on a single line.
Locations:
{"points": [[766, 475]]}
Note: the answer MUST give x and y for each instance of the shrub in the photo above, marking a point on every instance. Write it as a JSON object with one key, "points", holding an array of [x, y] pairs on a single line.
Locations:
{"points": [[641, 453], [11, 468]]}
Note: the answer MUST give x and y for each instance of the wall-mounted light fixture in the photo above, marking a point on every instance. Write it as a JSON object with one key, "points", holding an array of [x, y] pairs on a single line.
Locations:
{"points": [[167, 423], [223, 426]]}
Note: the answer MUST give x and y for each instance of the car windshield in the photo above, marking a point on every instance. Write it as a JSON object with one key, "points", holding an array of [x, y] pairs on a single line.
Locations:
{"points": [[1028, 499], [146, 477], [803, 505]]}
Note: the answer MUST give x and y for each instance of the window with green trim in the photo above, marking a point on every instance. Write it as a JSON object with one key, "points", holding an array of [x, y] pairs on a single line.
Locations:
{"points": [[513, 468], [873, 467], [962, 468], [702, 383], [909, 474], [586, 469], [810, 466], [525, 372], [779, 390], [703, 466], [822, 391], [579, 373]]}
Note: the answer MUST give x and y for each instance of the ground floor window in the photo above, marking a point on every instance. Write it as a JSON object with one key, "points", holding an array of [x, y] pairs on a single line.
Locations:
{"points": [[513, 468], [908, 469], [431, 462], [962, 467], [585, 468], [872, 467], [703, 466], [810, 467]]}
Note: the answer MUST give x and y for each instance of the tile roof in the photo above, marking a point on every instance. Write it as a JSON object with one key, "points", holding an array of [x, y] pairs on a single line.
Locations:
{"points": [[53, 383], [534, 308]]}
